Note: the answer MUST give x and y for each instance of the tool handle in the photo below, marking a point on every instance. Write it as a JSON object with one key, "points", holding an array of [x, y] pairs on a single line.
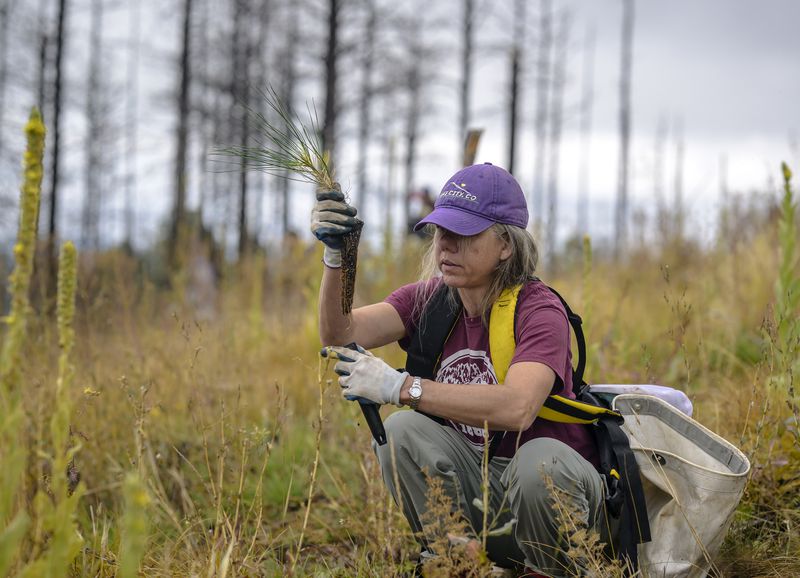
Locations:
{"points": [[372, 416], [371, 412]]}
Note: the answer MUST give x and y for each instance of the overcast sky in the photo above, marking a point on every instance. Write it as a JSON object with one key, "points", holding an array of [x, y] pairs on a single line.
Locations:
{"points": [[726, 71]]}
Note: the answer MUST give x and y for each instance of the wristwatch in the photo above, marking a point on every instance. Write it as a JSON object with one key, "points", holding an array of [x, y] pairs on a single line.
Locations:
{"points": [[415, 392]]}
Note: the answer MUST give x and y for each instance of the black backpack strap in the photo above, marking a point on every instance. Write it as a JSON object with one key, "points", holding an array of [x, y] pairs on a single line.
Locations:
{"points": [[625, 500], [634, 526], [578, 383], [434, 327]]}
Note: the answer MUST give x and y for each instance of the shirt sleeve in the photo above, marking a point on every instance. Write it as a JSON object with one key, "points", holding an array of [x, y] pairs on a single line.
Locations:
{"points": [[402, 300], [543, 337]]}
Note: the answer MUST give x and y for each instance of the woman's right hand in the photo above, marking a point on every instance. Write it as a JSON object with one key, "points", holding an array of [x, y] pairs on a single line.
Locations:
{"points": [[331, 219]]}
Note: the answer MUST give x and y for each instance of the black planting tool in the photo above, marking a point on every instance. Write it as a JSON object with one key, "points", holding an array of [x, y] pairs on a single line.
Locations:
{"points": [[371, 412]]}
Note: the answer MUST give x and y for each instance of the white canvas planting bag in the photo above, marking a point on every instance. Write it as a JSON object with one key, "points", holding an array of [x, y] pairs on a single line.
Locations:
{"points": [[693, 480]]}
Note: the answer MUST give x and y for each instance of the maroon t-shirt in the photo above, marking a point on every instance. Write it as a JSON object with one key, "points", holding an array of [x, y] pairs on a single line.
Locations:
{"points": [[542, 335]]}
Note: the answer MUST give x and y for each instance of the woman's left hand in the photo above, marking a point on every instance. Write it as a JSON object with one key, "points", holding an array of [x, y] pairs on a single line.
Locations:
{"points": [[361, 374]]}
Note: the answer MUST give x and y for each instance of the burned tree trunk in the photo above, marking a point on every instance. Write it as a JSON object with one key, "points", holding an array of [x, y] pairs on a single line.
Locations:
{"points": [[91, 209], [542, 108], [365, 104], [413, 113], [241, 93], [58, 101], [626, 56], [44, 45], [331, 78], [131, 119], [466, 70], [516, 63], [181, 137], [678, 210], [5, 18], [556, 122], [290, 82], [288, 94], [587, 100], [662, 214], [259, 52]]}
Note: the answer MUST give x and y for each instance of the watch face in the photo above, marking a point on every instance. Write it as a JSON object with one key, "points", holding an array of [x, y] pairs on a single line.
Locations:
{"points": [[415, 391]]}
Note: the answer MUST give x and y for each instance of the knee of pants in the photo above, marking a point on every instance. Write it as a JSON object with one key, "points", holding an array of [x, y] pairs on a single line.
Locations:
{"points": [[401, 428], [537, 468], [413, 441]]}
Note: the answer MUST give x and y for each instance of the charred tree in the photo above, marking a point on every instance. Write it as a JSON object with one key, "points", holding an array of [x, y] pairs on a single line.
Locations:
{"points": [[413, 113], [58, 102], [514, 89], [242, 53], [678, 208], [556, 123], [662, 214], [542, 107], [331, 79], [468, 15], [259, 53], [418, 60], [386, 123], [289, 59], [44, 61], [131, 118], [203, 107], [390, 192], [587, 102], [365, 103], [626, 64], [91, 205], [5, 18], [181, 137]]}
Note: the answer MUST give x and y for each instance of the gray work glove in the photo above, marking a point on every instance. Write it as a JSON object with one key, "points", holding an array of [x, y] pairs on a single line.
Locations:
{"points": [[363, 375], [331, 219]]}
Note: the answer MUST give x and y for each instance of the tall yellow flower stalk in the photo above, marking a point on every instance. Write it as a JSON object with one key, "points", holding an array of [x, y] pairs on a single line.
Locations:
{"points": [[67, 282], [14, 521], [11, 361], [55, 506]]}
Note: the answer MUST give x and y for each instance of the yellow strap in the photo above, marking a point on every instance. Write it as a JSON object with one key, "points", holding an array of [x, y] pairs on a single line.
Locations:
{"points": [[552, 415], [501, 331], [502, 343]]}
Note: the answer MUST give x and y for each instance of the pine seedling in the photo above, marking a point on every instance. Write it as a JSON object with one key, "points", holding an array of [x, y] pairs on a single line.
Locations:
{"points": [[290, 149]]}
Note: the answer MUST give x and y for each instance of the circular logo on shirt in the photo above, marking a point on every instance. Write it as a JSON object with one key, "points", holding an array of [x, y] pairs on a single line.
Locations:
{"points": [[467, 366]]}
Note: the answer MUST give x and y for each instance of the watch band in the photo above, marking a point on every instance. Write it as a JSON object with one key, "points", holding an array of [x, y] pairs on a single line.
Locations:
{"points": [[415, 393]]}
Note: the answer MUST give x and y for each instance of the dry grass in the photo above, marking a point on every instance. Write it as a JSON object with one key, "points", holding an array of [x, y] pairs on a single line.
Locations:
{"points": [[247, 465]]}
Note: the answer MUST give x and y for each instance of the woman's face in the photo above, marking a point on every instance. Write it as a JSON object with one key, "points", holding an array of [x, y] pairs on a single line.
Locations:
{"points": [[469, 262]]}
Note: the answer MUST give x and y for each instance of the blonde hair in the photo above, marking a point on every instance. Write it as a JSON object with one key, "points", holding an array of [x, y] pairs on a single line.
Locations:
{"points": [[516, 270]]}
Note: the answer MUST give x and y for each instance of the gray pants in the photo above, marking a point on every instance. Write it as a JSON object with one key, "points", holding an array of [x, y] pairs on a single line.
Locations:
{"points": [[518, 488]]}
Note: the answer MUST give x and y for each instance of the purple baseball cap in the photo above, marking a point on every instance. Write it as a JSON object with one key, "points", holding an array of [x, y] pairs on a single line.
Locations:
{"points": [[475, 198]]}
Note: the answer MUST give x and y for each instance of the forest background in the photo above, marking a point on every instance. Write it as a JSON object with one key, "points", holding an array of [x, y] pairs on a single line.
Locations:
{"points": [[187, 395]]}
